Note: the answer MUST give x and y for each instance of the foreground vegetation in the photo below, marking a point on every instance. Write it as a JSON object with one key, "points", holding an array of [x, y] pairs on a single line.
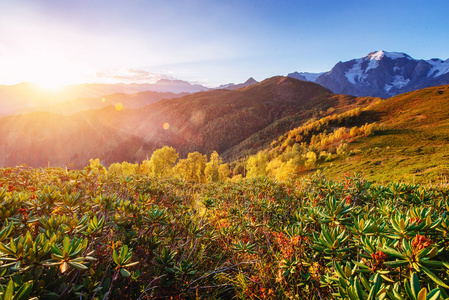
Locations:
{"points": [[93, 234]]}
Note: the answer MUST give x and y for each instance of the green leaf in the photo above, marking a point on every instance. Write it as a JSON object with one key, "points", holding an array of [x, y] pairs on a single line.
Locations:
{"points": [[358, 289], [397, 295], [125, 273], [78, 266], [7, 295], [352, 294], [56, 250], [66, 244], [409, 290], [434, 277], [396, 263], [432, 263], [391, 251], [414, 284], [6, 230], [115, 257], [360, 265], [375, 288], [24, 291], [365, 283], [6, 249], [123, 253], [339, 270], [434, 294], [327, 236]]}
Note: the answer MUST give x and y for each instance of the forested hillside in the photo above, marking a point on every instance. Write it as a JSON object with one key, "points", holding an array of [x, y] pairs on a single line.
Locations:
{"points": [[233, 123], [400, 138]]}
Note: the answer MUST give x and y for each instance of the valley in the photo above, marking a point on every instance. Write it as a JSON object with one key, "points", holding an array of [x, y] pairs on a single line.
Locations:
{"points": [[266, 190]]}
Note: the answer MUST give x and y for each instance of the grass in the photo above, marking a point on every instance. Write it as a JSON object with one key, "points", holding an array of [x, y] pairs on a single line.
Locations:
{"points": [[411, 145]]}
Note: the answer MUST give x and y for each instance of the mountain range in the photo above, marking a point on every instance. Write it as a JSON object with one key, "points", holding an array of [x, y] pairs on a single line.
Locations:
{"points": [[233, 86], [232, 122], [381, 74], [410, 139], [236, 120], [27, 96]]}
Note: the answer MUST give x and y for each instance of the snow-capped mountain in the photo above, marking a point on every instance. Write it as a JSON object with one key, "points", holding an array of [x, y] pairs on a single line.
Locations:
{"points": [[382, 74]]}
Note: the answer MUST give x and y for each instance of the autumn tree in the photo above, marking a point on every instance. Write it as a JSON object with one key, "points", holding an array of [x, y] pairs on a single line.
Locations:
{"points": [[311, 160], [211, 170], [192, 168], [125, 168], [256, 165], [161, 162], [95, 166], [224, 172]]}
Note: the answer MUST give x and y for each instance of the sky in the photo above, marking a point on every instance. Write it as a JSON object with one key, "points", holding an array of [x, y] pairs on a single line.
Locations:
{"points": [[212, 42]]}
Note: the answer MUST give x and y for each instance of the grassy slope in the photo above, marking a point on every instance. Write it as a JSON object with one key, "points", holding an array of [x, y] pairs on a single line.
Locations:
{"points": [[411, 145]]}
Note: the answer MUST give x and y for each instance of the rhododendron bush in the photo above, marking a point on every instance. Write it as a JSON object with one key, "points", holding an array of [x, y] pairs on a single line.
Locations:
{"points": [[90, 234]]}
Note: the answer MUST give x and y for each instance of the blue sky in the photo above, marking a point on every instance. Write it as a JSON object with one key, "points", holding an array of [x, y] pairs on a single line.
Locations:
{"points": [[211, 42]]}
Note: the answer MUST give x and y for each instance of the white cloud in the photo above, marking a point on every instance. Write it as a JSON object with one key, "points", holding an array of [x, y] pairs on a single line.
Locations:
{"points": [[129, 76]]}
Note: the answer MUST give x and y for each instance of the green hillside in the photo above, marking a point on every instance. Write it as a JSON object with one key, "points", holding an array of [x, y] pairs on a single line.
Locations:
{"points": [[412, 142], [407, 139]]}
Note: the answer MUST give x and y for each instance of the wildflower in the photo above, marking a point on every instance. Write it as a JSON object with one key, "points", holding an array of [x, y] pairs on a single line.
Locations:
{"points": [[420, 242], [379, 256], [348, 199], [416, 220]]}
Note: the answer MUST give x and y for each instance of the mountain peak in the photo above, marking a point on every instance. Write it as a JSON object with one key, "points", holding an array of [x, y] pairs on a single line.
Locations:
{"points": [[378, 55], [250, 81], [384, 74], [233, 86]]}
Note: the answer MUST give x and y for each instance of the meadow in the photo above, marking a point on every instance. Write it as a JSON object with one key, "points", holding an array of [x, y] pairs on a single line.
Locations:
{"points": [[94, 234]]}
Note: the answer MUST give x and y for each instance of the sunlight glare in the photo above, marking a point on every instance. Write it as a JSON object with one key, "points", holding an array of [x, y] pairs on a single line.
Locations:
{"points": [[47, 70]]}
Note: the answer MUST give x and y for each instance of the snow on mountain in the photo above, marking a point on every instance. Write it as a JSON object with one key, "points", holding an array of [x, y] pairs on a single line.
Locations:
{"points": [[356, 73], [381, 74], [439, 67], [378, 55]]}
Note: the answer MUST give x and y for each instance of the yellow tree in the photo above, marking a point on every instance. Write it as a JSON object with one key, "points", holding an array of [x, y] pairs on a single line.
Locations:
{"points": [[224, 172], [192, 168], [212, 167], [257, 165], [161, 162], [115, 168], [95, 167]]}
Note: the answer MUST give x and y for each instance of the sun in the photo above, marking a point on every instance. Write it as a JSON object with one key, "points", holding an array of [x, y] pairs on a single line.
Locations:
{"points": [[50, 84], [52, 73]]}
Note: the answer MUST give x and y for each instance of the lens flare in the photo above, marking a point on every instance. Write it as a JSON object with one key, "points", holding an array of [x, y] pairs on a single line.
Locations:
{"points": [[119, 106]]}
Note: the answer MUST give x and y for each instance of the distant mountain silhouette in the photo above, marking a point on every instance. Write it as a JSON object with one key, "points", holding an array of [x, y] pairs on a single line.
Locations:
{"points": [[233, 123], [27, 95], [232, 86], [127, 100]]}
